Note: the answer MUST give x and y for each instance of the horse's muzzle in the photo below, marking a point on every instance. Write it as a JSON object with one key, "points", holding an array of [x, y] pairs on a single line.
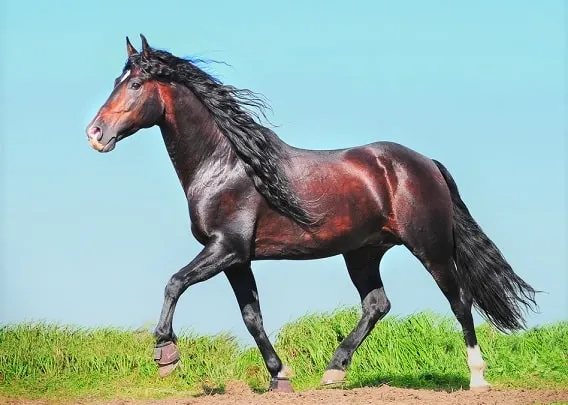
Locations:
{"points": [[95, 136]]}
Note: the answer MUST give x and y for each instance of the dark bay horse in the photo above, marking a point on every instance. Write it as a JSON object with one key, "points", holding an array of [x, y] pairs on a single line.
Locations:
{"points": [[253, 197]]}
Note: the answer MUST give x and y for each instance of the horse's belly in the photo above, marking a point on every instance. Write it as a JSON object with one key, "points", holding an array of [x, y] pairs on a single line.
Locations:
{"points": [[337, 236]]}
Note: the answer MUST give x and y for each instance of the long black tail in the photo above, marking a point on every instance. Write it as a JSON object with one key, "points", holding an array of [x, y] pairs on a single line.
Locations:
{"points": [[482, 270]]}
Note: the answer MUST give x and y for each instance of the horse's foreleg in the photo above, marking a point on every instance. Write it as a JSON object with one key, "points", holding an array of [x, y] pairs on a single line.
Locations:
{"points": [[243, 283], [215, 257]]}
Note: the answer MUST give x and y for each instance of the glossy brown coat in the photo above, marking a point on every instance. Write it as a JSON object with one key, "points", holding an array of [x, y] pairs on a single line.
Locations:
{"points": [[253, 197]]}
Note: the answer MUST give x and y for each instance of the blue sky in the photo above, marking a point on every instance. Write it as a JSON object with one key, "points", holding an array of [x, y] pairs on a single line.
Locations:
{"points": [[91, 239]]}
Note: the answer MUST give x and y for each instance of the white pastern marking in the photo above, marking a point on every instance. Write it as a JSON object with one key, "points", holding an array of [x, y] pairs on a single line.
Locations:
{"points": [[476, 366], [474, 356]]}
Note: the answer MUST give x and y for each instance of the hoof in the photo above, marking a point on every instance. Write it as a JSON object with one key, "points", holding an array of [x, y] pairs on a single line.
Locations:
{"points": [[280, 384], [480, 388], [167, 358], [166, 370], [331, 377]]}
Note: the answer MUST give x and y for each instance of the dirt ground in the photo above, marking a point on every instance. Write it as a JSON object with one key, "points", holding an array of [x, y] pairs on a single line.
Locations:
{"points": [[240, 394]]}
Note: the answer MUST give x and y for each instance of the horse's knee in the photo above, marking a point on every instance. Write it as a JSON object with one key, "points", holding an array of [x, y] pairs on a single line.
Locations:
{"points": [[377, 306], [174, 287]]}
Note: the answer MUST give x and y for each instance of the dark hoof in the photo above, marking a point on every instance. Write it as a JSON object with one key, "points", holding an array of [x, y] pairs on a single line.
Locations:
{"points": [[280, 384], [166, 355]]}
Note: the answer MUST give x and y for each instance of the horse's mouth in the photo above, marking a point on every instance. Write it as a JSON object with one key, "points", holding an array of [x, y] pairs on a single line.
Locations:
{"points": [[99, 147]]}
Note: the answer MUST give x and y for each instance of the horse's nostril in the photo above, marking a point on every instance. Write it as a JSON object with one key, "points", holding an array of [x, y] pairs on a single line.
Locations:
{"points": [[95, 132]]}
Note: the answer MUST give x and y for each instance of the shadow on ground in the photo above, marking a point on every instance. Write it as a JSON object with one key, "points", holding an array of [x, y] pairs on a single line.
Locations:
{"points": [[439, 382], [429, 381]]}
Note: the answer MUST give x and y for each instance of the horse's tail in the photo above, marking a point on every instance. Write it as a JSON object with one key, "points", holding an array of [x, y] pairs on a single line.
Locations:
{"points": [[482, 270]]}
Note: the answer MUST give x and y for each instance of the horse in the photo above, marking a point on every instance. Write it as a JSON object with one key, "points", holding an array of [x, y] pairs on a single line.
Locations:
{"points": [[251, 196]]}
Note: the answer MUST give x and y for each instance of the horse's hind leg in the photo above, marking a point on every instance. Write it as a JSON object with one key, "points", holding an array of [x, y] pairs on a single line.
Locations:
{"points": [[439, 261], [461, 302], [363, 267]]}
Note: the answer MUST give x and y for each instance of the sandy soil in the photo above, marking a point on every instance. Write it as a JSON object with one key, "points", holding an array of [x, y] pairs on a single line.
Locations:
{"points": [[239, 394]]}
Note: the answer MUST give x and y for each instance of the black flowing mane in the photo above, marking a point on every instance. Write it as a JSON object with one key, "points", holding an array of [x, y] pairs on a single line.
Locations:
{"points": [[258, 147]]}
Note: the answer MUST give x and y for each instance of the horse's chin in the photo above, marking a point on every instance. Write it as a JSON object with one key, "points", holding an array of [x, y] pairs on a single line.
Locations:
{"points": [[103, 148]]}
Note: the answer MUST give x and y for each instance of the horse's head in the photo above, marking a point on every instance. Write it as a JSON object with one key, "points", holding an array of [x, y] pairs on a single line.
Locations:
{"points": [[134, 103]]}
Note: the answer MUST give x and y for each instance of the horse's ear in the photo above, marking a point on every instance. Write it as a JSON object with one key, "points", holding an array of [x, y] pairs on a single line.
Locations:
{"points": [[145, 47], [129, 48]]}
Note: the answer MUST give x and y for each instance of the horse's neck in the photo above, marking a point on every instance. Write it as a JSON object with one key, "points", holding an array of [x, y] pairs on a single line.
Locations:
{"points": [[193, 141]]}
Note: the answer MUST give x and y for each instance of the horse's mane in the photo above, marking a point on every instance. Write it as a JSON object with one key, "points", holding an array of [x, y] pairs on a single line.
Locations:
{"points": [[232, 109]]}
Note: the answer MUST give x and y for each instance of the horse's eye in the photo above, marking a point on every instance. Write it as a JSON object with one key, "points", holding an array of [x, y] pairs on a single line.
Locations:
{"points": [[135, 85]]}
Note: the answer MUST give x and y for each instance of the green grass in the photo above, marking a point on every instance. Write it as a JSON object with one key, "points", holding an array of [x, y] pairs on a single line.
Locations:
{"points": [[39, 360]]}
